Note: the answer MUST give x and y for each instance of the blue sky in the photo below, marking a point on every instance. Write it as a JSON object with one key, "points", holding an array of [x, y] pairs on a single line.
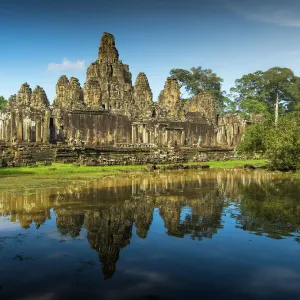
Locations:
{"points": [[42, 39]]}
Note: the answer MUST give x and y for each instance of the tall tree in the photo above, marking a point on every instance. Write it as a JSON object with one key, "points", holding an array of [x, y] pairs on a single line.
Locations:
{"points": [[2, 102], [197, 80], [269, 92]]}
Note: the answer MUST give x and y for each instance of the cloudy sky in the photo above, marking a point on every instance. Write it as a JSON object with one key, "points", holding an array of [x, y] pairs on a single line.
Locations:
{"points": [[41, 40]]}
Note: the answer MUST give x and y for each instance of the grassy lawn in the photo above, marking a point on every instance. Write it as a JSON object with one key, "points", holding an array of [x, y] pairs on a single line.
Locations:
{"points": [[59, 169], [58, 174]]}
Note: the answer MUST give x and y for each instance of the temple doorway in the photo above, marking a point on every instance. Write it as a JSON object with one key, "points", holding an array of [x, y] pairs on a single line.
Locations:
{"points": [[52, 130]]}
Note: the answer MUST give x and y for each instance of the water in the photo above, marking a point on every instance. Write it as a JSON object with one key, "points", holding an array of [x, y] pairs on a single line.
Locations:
{"points": [[181, 235]]}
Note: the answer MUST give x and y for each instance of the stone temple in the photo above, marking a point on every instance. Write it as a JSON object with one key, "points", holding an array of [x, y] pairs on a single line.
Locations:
{"points": [[109, 113]]}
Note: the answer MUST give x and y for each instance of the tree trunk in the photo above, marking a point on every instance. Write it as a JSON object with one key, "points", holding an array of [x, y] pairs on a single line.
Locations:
{"points": [[276, 108]]}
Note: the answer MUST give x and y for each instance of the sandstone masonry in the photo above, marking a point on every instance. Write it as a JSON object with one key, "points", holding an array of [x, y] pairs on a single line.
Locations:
{"points": [[110, 112]]}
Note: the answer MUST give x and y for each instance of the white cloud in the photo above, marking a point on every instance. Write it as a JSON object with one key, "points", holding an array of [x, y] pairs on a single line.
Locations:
{"points": [[273, 12], [66, 65], [278, 17]]}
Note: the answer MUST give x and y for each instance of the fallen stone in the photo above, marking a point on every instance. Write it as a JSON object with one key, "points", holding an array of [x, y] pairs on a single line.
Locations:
{"points": [[203, 166], [249, 167], [151, 167], [52, 169]]}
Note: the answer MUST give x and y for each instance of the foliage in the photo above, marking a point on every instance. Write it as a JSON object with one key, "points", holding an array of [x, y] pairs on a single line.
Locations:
{"points": [[253, 139], [258, 92], [270, 208], [197, 80], [283, 141], [3, 102], [280, 144]]}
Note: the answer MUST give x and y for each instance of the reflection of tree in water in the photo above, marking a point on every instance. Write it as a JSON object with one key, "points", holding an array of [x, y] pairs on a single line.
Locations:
{"points": [[189, 204], [272, 208]]}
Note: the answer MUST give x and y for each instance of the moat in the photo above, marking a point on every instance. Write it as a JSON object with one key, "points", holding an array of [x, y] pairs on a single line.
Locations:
{"points": [[215, 234]]}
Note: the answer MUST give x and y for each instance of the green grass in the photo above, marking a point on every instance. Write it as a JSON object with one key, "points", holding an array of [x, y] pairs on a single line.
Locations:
{"points": [[62, 170], [59, 175], [229, 164], [59, 169]]}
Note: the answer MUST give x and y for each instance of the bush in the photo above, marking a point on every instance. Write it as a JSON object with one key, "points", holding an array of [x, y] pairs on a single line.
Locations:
{"points": [[283, 142], [280, 144], [254, 139]]}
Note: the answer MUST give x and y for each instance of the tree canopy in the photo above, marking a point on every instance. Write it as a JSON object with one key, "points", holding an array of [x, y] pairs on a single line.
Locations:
{"points": [[197, 80], [2, 102], [271, 93]]}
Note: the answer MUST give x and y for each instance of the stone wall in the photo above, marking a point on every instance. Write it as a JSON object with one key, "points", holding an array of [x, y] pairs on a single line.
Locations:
{"points": [[92, 128], [230, 129], [173, 133]]}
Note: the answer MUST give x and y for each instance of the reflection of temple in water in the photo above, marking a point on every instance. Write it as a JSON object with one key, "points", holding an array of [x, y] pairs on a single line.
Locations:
{"points": [[190, 203]]}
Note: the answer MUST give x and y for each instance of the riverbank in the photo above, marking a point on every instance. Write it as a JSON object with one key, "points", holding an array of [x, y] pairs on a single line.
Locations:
{"points": [[56, 175]]}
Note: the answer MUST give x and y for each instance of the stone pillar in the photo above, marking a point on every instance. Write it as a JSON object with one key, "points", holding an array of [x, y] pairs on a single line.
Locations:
{"points": [[46, 127], [26, 129], [215, 140], [133, 133], [70, 133], [144, 134], [182, 138], [13, 131], [88, 137], [19, 124], [138, 130], [57, 133], [38, 135], [115, 137], [1, 127]]}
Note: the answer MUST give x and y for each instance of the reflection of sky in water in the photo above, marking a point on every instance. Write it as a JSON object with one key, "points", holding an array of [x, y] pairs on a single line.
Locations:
{"points": [[6, 225], [210, 237]]}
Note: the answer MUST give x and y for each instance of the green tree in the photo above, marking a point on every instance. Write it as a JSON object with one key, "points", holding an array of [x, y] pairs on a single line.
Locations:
{"points": [[272, 92], [254, 139], [282, 142], [197, 80], [279, 83], [3, 102]]}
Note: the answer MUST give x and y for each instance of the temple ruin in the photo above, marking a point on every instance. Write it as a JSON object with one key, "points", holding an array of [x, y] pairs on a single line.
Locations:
{"points": [[110, 112]]}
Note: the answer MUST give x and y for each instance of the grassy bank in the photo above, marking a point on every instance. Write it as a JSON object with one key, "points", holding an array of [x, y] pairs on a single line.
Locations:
{"points": [[57, 175], [229, 164], [62, 170]]}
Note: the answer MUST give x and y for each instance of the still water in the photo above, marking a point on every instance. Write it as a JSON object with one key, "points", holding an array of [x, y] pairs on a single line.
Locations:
{"points": [[181, 235]]}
